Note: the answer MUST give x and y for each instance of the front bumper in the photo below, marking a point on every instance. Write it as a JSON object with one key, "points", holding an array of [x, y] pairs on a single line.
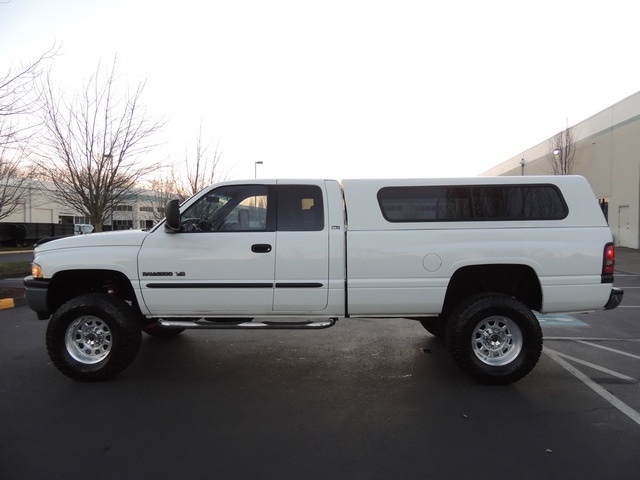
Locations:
{"points": [[614, 299], [36, 294]]}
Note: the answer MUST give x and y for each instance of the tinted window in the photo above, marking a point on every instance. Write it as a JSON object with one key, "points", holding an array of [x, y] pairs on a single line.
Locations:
{"points": [[472, 203], [300, 208]]}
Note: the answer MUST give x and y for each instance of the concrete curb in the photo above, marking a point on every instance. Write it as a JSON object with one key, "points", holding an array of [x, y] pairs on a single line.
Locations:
{"points": [[15, 301]]}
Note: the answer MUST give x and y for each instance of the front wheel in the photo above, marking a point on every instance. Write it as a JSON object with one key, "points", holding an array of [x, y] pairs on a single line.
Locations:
{"points": [[93, 337], [494, 338]]}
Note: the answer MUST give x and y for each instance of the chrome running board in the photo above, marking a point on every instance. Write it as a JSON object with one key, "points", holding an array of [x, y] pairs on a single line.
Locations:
{"points": [[203, 324]]}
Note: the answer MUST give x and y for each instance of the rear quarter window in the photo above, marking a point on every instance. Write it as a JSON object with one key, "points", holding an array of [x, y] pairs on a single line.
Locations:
{"points": [[460, 203], [300, 208]]}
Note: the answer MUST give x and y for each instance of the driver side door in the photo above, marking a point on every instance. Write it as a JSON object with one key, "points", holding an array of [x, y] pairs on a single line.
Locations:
{"points": [[222, 262]]}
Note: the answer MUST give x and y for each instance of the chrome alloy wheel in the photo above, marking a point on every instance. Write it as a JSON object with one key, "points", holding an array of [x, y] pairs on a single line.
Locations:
{"points": [[88, 340], [496, 341]]}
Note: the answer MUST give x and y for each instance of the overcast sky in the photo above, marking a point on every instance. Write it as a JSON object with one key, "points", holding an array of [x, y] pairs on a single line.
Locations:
{"points": [[346, 88]]}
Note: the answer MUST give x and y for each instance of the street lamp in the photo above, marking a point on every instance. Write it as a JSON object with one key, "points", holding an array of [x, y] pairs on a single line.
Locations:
{"points": [[522, 165], [255, 168]]}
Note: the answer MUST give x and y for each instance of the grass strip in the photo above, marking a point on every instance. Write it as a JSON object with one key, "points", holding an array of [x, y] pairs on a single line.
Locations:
{"points": [[15, 268]]}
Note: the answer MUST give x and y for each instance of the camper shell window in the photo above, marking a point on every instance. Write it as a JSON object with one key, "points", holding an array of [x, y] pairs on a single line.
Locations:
{"points": [[442, 203]]}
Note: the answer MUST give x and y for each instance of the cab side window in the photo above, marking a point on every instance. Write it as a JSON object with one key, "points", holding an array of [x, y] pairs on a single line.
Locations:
{"points": [[300, 208], [230, 208]]}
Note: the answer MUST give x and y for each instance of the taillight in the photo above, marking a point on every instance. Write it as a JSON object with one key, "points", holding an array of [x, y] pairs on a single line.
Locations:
{"points": [[608, 263]]}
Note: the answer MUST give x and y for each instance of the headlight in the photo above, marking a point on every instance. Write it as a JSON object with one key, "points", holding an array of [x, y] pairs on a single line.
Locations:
{"points": [[36, 270]]}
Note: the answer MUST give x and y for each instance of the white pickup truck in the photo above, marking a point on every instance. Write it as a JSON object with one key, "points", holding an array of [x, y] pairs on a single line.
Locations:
{"points": [[471, 259]]}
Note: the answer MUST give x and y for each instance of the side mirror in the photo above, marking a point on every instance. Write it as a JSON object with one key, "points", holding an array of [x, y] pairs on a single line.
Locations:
{"points": [[172, 216]]}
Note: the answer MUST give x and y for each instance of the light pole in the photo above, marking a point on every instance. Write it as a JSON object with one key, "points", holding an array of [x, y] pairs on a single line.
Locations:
{"points": [[560, 163], [255, 168], [522, 165]]}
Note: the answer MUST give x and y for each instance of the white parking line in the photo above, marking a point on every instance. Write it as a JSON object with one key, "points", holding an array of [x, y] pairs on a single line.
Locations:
{"points": [[614, 401], [608, 349], [591, 339], [595, 367]]}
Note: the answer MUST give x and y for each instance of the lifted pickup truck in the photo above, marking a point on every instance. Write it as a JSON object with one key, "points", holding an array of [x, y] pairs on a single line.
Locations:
{"points": [[471, 259]]}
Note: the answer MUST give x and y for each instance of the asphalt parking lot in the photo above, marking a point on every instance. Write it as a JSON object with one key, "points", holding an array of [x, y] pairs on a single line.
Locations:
{"points": [[364, 399]]}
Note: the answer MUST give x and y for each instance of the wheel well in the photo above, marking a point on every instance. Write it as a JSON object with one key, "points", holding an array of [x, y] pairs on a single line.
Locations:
{"points": [[518, 281], [71, 283]]}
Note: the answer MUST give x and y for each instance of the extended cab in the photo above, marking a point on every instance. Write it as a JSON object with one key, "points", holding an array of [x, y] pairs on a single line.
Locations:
{"points": [[471, 259]]}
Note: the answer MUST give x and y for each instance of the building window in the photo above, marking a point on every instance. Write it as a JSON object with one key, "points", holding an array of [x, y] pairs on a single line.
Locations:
{"points": [[146, 209], [123, 208], [71, 219], [122, 224]]}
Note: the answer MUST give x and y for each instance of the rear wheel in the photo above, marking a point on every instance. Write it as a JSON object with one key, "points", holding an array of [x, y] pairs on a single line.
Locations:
{"points": [[93, 337], [494, 338]]}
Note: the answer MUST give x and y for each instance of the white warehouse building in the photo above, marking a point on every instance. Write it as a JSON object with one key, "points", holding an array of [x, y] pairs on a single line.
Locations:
{"points": [[607, 147], [139, 210]]}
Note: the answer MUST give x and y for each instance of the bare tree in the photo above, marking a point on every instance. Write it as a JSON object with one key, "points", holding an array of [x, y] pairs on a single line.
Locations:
{"points": [[562, 152], [164, 189], [13, 180], [199, 170], [91, 145], [16, 101], [204, 168], [16, 97]]}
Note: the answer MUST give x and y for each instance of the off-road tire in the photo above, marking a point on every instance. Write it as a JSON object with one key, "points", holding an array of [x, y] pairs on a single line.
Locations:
{"points": [[494, 338], [93, 337]]}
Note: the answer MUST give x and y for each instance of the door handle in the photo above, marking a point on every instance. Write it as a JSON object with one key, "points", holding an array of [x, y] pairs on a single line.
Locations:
{"points": [[261, 248]]}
